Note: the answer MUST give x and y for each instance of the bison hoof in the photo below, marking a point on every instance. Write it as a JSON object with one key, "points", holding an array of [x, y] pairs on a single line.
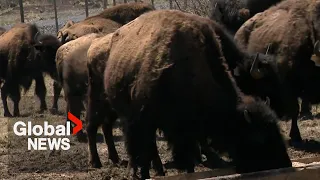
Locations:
{"points": [[7, 114], [306, 116], [96, 164], [16, 114], [54, 111], [82, 137]]}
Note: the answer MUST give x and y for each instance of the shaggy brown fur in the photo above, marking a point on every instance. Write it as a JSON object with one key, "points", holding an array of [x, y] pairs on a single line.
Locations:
{"points": [[23, 59], [71, 62], [106, 22], [2, 30], [291, 28], [99, 112], [93, 25], [166, 70], [64, 28]]}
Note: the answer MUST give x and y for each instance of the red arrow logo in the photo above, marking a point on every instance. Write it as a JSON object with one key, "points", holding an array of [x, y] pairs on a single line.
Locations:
{"points": [[76, 121]]}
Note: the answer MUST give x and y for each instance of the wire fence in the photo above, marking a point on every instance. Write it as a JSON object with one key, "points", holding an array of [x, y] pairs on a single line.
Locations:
{"points": [[53, 14]]}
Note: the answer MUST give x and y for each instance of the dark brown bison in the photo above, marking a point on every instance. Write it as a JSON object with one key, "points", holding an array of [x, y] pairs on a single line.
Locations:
{"points": [[166, 70], [25, 55], [99, 112], [106, 21], [2, 30], [290, 30], [233, 13]]}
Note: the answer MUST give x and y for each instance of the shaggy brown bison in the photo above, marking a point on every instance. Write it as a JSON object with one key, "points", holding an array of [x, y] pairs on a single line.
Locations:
{"points": [[291, 30], [71, 62], [92, 25], [2, 30], [106, 21], [166, 70], [99, 112], [233, 13], [25, 55]]}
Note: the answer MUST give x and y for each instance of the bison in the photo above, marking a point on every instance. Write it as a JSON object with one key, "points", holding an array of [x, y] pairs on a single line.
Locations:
{"points": [[99, 112], [71, 63], [166, 70], [25, 56], [233, 13], [291, 30], [106, 21]]}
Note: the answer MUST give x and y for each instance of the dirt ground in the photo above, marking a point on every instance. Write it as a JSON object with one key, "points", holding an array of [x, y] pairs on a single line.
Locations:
{"points": [[16, 162]]}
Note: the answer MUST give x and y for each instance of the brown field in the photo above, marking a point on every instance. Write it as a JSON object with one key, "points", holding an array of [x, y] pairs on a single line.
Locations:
{"points": [[18, 163]]}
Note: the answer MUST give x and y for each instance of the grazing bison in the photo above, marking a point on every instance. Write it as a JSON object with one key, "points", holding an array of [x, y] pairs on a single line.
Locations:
{"points": [[166, 70], [106, 21], [25, 55], [233, 13], [99, 112], [2, 30], [291, 30]]}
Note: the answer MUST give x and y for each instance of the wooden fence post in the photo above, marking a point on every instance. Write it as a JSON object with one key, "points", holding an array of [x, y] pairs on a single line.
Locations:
{"points": [[86, 5], [170, 4], [114, 2], [56, 15], [21, 11], [125, 1], [105, 4], [152, 2]]}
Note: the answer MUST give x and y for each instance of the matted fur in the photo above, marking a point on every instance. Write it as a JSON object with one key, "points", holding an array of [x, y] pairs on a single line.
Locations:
{"points": [[287, 27], [166, 70], [290, 29]]}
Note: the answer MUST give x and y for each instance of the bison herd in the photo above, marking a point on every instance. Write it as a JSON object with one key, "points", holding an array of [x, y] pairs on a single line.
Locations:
{"points": [[217, 84]]}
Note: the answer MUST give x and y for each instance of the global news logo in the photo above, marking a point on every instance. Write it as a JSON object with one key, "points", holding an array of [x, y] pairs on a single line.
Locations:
{"points": [[47, 131]]}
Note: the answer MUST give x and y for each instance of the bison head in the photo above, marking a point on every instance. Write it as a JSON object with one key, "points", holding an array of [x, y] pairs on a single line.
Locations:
{"points": [[316, 56], [62, 33], [259, 75], [46, 47], [259, 142]]}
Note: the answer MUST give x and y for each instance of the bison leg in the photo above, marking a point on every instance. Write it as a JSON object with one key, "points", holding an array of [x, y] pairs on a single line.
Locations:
{"points": [[94, 118], [15, 96], [56, 93], [294, 131], [107, 131], [75, 107], [4, 95], [41, 92]]}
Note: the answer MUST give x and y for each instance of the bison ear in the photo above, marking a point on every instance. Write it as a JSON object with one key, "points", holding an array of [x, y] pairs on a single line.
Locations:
{"points": [[246, 116]]}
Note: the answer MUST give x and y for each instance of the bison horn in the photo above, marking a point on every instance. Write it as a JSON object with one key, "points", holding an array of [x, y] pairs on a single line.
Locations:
{"points": [[246, 116], [36, 38], [255, 71], [268, 49], [267, 101], [317, 48]]}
